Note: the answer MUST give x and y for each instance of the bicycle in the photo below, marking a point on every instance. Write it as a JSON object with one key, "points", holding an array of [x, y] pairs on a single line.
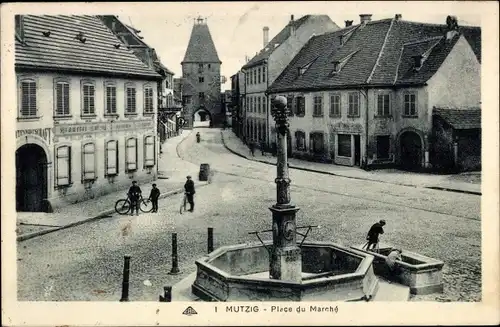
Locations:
{"points": [[183, 204], [123, 206]]}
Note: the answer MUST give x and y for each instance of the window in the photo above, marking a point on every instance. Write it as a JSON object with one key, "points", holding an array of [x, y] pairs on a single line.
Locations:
{"points": [[62, 99], [344, 145], [148, 100], [131, 155], [353, 104], [247, 78], [201, 79], [110, 99], [28, 98], [383, 146], [209, 66], [63, 166], [88, 162], [130, 103], [300, 140], [317, 142], [258, 75], [88, 103], [289, 102], [410, 105], [318, 106], [201, 95], [383, 105], [149, 151], [336, 67], [111, 158], [264, 109], [263, 74], [200, 68], [255, 76], [301, 106], [335, 105], [258, 105], [251, 104], [186, 99]]}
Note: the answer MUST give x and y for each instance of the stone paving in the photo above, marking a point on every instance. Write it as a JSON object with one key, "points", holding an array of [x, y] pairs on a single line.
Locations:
{"points": [[467, 182], [172, 173]]}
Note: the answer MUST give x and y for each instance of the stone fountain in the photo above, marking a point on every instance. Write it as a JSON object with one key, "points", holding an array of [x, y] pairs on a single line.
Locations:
{"points": [[284, 269]]}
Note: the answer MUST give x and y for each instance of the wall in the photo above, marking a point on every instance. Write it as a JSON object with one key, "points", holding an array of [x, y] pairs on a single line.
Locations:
{"points": [[115, 127], [211, 87], [457, 83]]}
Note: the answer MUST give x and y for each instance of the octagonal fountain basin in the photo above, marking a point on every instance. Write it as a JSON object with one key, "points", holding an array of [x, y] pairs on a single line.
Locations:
{"points": [[330, 272], [423, 275]]}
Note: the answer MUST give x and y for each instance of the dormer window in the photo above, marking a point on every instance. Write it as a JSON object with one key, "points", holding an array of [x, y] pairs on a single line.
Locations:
{"points": [[19, 28], [336, 67], [303, 69], [417, 62]]}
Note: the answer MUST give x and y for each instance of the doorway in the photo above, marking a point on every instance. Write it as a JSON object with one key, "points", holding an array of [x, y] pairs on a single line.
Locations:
{"points": [[411, 151], [202, 118], [31, 178], [357, 150]]}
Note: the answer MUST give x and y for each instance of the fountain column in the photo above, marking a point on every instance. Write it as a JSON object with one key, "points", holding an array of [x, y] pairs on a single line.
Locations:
{"points": [[285, 257]]}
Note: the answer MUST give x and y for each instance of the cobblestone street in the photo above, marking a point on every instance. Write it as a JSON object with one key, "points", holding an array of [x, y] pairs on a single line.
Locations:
{"points": [[85, 262]]}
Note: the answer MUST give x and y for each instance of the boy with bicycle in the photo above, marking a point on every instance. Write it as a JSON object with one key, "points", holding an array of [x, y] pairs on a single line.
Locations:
{"points": [[134, 193]]}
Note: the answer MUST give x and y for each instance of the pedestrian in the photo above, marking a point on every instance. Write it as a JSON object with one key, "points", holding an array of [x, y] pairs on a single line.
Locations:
{"points": [[153, 197], [374, 233], [134, 193], [251, 145], [390, 261], [262, 147], [189, 191]]}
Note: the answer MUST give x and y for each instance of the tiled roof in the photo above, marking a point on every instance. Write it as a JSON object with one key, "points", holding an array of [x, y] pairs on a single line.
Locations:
{"points": [[62, 51], [201, 47], [379, 53], [281, 37], [469, 118]]}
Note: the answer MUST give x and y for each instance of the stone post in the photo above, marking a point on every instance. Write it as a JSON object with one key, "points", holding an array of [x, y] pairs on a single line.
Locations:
{"points": [[285, 260]]}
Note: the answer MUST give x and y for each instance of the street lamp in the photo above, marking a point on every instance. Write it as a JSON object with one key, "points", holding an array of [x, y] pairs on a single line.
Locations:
{"points": [[285, 261]]}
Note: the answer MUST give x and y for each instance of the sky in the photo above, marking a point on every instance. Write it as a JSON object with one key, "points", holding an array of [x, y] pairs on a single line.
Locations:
{"points": [[236, 28]]}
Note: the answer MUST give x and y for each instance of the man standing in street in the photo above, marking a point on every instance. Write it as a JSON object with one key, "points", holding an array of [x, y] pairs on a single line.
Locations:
{"points": [[373, 234], [189, 190], [153, 197], [134, 193]]}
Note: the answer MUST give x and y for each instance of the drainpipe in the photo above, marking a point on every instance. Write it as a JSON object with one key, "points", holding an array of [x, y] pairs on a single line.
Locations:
{"points": [[364, 164], [268, 104]]}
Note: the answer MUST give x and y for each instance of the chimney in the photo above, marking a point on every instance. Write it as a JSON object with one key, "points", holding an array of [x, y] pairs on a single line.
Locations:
{"points": [[398, 17], [292, 26], [265, 31], [452, 27], [365, 18], [348, 23]]}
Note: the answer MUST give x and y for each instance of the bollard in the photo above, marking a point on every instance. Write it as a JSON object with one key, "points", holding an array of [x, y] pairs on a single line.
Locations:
{"points": [[126, 275], [167, 294], [210, 240], [175, 261]]}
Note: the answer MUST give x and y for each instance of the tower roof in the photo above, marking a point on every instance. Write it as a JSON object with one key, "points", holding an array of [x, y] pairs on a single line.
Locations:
{"points": [[201, 48]]}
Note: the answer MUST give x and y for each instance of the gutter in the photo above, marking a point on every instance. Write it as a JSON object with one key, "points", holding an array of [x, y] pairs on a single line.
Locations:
{"points": [[95, 73], [342, 87]]}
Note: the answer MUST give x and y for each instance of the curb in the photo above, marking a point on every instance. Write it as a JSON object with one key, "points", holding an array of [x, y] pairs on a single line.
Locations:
{"points": [[446, 189], [101, 215]]}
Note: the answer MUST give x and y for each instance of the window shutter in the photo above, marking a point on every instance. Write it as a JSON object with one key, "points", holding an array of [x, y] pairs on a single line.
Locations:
{"points": [[89, 161], [149, 155], [63, 156], [112, 158], [28, 98], [131, 154]]}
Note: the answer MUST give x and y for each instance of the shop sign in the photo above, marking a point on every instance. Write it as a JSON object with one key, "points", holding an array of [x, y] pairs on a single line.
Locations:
{"points": [[44, 133], [102, 127]]}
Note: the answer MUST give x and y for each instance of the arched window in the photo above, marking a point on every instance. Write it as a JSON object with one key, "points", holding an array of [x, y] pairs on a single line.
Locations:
{"points": [[148, 99], [62, 100], [112, 158], [300, 140], [149, 151], [131, 155], [88, 162], [28, 103], [88, 98], [63, 166]]}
